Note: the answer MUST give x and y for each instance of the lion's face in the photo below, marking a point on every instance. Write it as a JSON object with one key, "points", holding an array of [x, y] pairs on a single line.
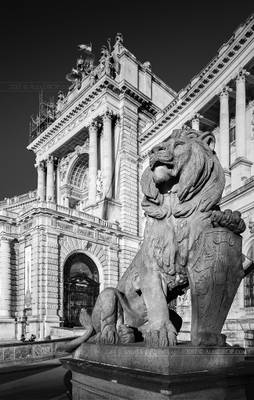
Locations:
{"points": [[168, 159], [187, 160]]}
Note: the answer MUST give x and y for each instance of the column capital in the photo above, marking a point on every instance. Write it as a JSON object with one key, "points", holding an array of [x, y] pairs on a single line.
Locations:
{"points": [[108, 115], [240, 77], [225, 91], [5, 238], [40, 164], [118, 120], [50, 159], [93, 125], [196, 117]]}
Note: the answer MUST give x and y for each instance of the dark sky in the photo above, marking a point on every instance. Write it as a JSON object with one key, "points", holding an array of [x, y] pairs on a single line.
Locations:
{"points": [[38, 47]]}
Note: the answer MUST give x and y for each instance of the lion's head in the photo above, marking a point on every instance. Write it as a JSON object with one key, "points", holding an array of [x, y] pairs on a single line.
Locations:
{"points": [[187, 161]]}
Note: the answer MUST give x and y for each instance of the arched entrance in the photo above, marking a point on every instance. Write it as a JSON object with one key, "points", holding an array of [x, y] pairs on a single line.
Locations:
{"points": [[81, 287]]}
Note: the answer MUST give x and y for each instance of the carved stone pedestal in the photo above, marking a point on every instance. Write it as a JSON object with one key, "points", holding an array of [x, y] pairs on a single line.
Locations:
{"points": [[137, 372]]}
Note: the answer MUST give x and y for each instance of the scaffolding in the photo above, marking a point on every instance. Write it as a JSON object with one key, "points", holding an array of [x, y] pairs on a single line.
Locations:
{"points": [[45, 117]]}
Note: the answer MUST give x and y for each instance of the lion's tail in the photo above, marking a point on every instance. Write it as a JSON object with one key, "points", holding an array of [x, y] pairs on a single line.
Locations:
{"points": [[86, 321]]}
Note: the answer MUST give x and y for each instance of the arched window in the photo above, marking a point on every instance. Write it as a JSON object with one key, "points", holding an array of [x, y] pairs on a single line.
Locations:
{"points": [[78, 175], [249, 282], [81, 287]]}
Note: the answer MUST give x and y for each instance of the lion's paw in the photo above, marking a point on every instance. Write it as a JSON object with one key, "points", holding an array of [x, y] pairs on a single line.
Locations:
{"points": [[126, 334], [109, 335], [165, 336]]}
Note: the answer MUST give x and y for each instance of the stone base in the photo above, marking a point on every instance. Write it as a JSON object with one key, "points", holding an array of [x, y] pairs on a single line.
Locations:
{"points": [[136, 372], [171, 360]]}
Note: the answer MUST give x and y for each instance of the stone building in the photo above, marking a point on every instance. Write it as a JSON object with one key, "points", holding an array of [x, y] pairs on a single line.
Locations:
{"points": [[77, 233]]}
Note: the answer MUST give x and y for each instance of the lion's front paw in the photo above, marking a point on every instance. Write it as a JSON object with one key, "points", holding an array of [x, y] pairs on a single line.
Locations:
{"points": [[109, 335], [165, 336], [126, 334]]}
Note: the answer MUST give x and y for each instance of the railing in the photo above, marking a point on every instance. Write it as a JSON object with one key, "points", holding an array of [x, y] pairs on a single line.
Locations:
{"points": [[7, 208], [15, 201], [73, 213], [78, 214], [19, 353]]}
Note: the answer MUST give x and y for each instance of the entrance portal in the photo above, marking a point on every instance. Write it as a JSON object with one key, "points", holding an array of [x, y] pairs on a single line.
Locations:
{"points": [[81, 287]]}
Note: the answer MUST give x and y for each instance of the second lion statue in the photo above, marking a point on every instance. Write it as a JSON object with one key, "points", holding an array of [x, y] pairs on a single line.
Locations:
{"points": [[182, 187]]}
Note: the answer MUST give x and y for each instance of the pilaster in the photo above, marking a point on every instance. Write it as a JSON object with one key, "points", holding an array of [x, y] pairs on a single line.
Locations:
{"points": [[41, 181], [241, 168], [224, 135], [107, 170], [50, 179], [240, 114], [92, 170], [117, 155], [129, 178], [224, 128]]}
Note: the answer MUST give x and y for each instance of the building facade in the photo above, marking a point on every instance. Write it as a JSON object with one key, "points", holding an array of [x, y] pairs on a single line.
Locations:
{"points": [[78, 232]]}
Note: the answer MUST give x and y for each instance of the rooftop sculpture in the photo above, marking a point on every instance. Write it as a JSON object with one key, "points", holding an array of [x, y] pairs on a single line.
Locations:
{"points": [[188, 242]]}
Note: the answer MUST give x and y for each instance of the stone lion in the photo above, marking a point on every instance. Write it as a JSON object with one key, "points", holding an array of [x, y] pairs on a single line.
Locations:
{"points": [[182, 187]]}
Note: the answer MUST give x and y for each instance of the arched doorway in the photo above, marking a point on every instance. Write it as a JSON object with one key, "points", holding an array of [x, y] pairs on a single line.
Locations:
{"points": [[81, 287]]}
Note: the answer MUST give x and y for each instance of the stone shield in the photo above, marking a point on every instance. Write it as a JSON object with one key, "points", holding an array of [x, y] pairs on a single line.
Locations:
{"points": [[214, 277]]}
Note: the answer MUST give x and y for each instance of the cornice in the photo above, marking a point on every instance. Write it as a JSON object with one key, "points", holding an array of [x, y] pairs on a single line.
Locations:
{"points": [[226, 55], [141, 99], [81, 103], [78, 112]]}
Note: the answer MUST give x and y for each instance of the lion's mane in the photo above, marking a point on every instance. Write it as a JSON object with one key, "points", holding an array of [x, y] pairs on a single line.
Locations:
{"points": [[200, 182]]}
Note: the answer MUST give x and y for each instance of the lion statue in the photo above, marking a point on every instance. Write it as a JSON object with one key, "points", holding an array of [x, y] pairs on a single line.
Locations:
{"points": [[182, 187]]}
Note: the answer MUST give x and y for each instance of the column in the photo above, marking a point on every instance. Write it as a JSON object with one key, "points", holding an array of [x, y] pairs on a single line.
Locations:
{"points": [[224, 128], [240, 114], [50, 180], [195, 122], [117, 156], [41, 181], [107, 155], [5, 278], [241, 168], [58, 182], [92, 170]]}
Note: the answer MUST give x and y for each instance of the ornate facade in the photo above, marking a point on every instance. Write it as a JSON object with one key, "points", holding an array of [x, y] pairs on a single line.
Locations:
{"points": [[78, 232]]}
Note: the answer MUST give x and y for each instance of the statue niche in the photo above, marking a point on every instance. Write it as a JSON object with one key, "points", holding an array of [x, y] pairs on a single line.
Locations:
{"points": [[188, 243]]}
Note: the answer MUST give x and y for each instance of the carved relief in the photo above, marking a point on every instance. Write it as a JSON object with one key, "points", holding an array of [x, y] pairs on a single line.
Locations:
{"points": [[99, 182]]}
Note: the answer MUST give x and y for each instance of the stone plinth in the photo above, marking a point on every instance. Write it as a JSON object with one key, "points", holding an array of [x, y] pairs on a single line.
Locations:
{"points": [[138, 372], [166, 361]]}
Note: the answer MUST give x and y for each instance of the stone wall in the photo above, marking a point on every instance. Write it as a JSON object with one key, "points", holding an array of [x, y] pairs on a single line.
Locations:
{"points": [[23, 353]]}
